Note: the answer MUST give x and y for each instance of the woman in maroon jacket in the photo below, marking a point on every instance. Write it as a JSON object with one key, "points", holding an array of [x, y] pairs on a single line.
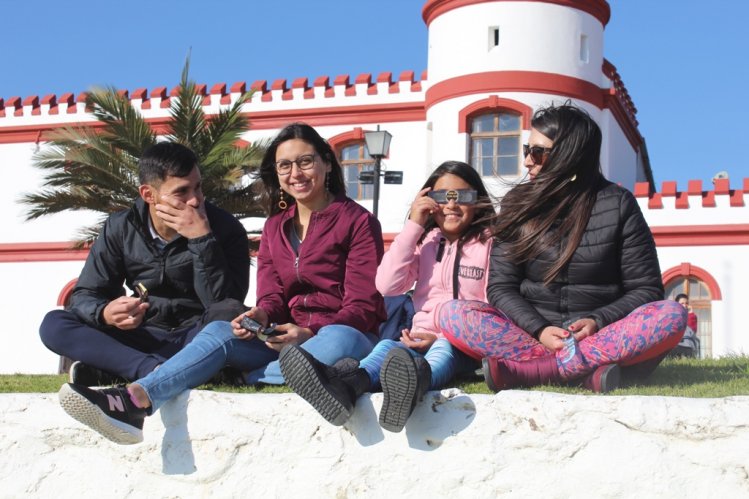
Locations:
{"points": [[316, 287]]}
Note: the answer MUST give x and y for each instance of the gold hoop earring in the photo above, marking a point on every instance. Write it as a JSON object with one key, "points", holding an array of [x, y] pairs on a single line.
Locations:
{"points": [[282, 204], [573, 178]]}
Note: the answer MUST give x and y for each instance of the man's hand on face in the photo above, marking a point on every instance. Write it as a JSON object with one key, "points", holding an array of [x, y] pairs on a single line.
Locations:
{"points": [[187, 220]]}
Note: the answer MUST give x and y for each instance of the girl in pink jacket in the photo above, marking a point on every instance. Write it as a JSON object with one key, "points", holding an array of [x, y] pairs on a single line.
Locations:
{"points": [[442, 253]]}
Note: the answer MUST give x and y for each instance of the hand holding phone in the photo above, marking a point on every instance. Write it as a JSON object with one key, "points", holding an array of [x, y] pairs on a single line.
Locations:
{"points": [[262, 333]]}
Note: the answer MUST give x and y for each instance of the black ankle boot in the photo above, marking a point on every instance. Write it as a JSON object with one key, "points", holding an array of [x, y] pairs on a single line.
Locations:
{"points": [[348, 372], [331, 390], [405, 379]]}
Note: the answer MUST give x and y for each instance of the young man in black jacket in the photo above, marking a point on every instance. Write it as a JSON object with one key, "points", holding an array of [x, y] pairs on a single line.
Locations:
{"points": [[178, 253]]}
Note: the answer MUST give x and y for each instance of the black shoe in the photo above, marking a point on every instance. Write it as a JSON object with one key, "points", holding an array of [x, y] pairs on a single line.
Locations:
{"points": [[405, 380], [109, 411], [85, 375], [332, 391]]}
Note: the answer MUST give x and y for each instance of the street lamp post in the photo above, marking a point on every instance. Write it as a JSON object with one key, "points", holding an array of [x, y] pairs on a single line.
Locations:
{"points": [[378, 144]]}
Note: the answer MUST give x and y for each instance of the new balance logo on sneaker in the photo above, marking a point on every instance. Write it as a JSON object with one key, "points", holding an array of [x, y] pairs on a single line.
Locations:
{"points": [[109, 411], [116, 403]]}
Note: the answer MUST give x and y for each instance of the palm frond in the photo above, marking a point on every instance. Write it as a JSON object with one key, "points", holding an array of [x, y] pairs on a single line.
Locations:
{"points": [[232, 169], [85, 236], [96, 167], [77, 198], [244, 202], [225, 129], [125, 127], [188, 121]]}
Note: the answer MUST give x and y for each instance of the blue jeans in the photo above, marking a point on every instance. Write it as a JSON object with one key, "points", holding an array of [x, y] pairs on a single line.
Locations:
{"points": [[444, 361], [330, 344], [216, 347]]}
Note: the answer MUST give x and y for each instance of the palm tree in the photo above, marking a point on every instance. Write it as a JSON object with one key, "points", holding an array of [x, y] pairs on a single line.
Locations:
{"points": [[88, 169]]}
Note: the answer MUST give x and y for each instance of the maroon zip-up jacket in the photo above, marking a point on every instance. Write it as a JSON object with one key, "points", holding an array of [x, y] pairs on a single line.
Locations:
{"points": [[332, 281]]}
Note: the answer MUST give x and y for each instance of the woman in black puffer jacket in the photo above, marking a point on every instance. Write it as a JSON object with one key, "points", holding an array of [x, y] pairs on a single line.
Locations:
{"points": [[574, 286]]}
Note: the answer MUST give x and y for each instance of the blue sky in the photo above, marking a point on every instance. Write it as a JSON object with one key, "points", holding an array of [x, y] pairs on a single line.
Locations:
{"points": [[683, 61]]}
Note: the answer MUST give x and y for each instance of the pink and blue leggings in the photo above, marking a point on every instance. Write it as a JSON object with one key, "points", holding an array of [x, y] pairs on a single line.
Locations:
{"points": [[650, 331]]}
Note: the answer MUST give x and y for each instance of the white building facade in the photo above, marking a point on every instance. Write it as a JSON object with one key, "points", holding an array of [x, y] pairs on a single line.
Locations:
{"points": [[474, 102]]}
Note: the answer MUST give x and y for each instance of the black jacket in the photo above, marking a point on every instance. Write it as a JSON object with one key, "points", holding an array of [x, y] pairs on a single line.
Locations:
{"points": [[613, 271], [182, 280]]}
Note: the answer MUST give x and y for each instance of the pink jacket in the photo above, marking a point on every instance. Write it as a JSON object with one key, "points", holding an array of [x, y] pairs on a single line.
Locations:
{"points": [[406, 263]]}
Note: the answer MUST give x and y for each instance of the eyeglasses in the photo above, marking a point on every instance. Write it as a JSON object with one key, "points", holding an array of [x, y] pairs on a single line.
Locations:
{"points": [[460, 196], [303, 162], [537, 153]]}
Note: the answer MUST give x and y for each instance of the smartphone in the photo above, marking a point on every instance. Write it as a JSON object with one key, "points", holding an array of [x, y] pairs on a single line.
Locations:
{"points": [[263, 333], [570, 343], [140, 288]]}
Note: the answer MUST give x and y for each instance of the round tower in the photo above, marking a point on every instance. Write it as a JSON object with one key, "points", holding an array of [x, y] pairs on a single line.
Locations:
{"points": [[505, 58], [470, 37]]}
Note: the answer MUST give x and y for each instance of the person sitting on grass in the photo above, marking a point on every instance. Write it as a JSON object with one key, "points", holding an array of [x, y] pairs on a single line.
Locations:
{"points": [[443, 249]]}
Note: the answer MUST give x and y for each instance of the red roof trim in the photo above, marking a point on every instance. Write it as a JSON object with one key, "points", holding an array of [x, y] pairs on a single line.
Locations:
{"points": [[596, 8], [701, 235], [669, 188], [266, 120], [40, 252]]}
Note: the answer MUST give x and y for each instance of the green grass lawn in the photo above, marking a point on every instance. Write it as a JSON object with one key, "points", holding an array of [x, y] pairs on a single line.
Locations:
{"points": [[674, 377]]}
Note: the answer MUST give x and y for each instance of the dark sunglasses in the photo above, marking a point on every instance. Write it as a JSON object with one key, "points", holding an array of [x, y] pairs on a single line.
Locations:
{"points": [[460, 196], [537, 153]]}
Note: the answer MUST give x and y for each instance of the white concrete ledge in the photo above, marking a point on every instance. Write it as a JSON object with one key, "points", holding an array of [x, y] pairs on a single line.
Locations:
{"points": [[515, 444]]}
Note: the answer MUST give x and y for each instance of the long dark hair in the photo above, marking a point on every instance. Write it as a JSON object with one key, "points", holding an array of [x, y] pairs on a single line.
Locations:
{"points": [[562, 195], [271, 189], [484, 213]]}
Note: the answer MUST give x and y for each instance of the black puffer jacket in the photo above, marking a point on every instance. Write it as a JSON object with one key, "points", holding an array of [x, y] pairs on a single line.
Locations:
{"points": [[182, 280], [613, 271]]}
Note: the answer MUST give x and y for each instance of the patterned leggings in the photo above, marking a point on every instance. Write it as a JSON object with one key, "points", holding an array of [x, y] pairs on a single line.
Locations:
{"points": [[479, 330]]}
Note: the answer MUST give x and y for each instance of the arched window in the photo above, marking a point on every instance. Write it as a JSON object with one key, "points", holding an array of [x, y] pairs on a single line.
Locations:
{"points": [[355, 159], [496, 149], [700, 303], [494, 126]]}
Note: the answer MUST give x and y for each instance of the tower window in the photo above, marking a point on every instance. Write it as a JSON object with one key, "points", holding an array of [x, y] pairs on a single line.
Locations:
{"points": [[493, 37], [584, 50]]}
